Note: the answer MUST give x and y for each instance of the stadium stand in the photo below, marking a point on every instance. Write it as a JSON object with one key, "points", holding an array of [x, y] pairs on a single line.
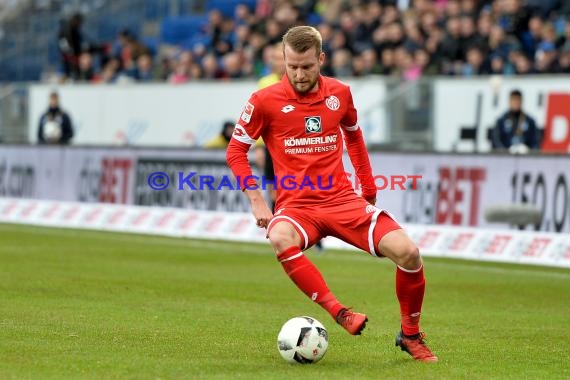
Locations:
{"points": [[406, 40]]}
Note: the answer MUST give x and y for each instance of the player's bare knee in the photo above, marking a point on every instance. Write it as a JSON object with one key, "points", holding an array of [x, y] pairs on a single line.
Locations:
{"points": [[409, 257], [282, 238]]}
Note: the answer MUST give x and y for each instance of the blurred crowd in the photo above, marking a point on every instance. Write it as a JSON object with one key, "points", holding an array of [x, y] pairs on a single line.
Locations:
{"points": [[407, 39]]}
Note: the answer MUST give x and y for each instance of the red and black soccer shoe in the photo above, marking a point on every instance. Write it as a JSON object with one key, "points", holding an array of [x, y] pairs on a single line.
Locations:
{"points": [[352, 322], [416, 346]]}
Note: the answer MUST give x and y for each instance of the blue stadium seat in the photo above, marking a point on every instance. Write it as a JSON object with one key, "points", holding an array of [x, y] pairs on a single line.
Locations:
{"points": [[314, 19], [175, 30]]}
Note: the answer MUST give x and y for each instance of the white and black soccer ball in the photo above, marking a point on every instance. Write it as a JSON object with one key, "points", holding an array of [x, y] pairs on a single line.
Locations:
{"points": [[303, 340]]}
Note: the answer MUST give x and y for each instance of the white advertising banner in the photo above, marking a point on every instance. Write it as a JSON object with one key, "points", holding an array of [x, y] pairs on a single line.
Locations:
{"points": [[167, 115], [469, 103], [440, 241], [450, 189]]}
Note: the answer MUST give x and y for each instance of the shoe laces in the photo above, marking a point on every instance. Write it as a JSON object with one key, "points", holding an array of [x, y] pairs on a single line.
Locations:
{"points": [[345, 316]]}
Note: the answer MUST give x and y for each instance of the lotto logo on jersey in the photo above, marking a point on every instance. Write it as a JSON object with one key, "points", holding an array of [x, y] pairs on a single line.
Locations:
{"points": [[247, 112], [313, 124]]}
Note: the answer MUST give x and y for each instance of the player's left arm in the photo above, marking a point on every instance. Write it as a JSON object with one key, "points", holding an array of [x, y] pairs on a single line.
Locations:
{"points": [[354, 141]]}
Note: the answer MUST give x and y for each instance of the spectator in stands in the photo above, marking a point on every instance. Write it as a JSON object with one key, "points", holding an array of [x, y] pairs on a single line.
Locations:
{"points": [[513, 17], [484, 25], [240, 39], [469, 37], [546, 58], [423, 61], [276, 66], [515, 130], [71, 44], [244, 16], [181, 73], [110, 72], [475, 64], [55, 126], [408, 70], [233, 67], [565, 59], [86, 72], [532, 37], [211, 69], [497, 65], [508, 34], [522, 65], [222, 140], [451, 44], [341, 63], [498, 43], [145, 70], [129, 50]]}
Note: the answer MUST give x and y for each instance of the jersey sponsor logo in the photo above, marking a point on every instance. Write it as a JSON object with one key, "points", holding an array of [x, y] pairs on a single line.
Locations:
{"points": [[288, 108], [304, 141], [247, 112], [332, 103], [313, 124]]}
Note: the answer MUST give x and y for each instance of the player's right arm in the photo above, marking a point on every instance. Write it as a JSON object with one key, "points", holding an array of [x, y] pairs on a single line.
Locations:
{"points": [[247, 130]]}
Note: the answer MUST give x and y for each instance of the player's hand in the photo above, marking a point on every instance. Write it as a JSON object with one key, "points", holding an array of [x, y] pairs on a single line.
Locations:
{"points": [[371, 200], [259, 208], [262, 213]]}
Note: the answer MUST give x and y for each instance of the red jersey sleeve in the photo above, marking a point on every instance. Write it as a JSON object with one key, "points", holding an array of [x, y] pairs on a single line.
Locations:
{"points": [[354, 141], [247, 130], [350, 117]]}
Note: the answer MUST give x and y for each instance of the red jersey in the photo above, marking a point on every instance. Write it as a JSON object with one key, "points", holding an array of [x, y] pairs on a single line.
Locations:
{"points": [[303, 133]]}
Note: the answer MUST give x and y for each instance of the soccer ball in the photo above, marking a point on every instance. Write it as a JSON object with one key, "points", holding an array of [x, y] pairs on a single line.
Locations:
{"points": [[52, 131], [303, 340]]}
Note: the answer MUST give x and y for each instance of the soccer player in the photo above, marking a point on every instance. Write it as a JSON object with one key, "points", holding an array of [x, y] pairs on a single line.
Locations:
{"points": [[302, 120]]}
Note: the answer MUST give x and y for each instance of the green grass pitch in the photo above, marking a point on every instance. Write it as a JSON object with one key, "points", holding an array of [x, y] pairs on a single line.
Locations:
{"points": [[97, 305]]}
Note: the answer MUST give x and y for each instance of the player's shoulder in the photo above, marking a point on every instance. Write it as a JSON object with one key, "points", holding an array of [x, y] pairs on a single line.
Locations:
{"points": [[272, 90], [335, 84], [265, 98]]}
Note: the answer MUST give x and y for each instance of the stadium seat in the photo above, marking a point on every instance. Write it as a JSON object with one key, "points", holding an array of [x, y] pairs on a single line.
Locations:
{"points": [[314, 19], [175, 30]]}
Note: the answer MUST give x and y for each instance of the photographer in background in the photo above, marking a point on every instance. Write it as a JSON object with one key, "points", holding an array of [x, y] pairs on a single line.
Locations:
{"points": [[55, 125], [515, 130]]}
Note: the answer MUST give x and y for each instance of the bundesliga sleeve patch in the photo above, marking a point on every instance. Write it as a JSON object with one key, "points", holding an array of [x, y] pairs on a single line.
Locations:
{"points": [[247, 112]]}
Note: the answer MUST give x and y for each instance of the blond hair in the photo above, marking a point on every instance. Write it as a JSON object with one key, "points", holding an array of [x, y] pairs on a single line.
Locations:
{"points": [[303, 38]]}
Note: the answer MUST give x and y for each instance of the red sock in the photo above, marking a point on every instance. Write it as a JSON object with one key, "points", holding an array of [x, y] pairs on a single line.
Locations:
{"points": [[410, 287], [308, 278]]}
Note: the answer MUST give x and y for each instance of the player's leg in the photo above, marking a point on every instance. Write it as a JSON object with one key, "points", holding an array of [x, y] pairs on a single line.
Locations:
{"points": [[410, 289], [288, 238], [375, 231], [410, 280]]}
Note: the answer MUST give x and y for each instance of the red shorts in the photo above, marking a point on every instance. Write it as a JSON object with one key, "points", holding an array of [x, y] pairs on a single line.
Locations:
{"points": [[356, 222]]}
